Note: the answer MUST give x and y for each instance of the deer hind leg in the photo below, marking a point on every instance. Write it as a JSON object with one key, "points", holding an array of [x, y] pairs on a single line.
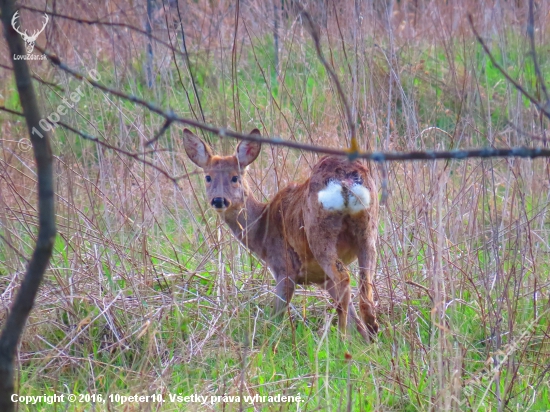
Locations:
{"points": [[338, 275], [284, 290], [322, 235], [341, 280], [367, 264], [352, 314]]}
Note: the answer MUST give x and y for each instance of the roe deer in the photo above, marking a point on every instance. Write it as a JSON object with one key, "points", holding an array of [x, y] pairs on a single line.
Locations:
{"points": [[308, 232]]}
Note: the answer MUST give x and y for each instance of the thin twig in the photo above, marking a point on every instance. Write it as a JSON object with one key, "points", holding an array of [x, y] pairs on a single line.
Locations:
{"points": [[524, 133], [5, 109], [188, 61], [531, 34], [234, 77], [518, 86], [172, 48], [384, 183], [15, 249], [424, 288], [136, 156], [38, 79], [315, 35], [91, 138], [164, 128]]}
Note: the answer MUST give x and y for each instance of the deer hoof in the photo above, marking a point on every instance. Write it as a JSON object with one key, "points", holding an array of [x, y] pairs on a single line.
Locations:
{"points": [[372, 327]]}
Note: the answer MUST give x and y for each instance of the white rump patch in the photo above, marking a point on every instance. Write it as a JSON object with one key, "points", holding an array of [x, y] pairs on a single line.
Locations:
{"points": [[353, 200], [360, 199], [331, 197]]}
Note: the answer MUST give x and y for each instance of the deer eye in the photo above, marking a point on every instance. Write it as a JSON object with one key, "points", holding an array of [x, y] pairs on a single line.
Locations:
{"points": [[208, 178], [235, 179]]}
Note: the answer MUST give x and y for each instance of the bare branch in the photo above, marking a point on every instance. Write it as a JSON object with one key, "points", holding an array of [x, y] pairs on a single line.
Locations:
{"points": [[530, 135], [315, 35], [172, 47], [531, 33], [164, 128], [136, 156], [38, 78], [374, 156], [188, 61], [518, 86], [91, 138], [425, 289], [5, 109]]}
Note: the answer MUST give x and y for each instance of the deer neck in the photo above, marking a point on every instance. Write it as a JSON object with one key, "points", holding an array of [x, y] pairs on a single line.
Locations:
{"points": [[246, 222]]}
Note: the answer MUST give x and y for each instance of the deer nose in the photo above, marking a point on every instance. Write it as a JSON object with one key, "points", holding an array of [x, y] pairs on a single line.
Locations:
{"points": [[220, 202]]}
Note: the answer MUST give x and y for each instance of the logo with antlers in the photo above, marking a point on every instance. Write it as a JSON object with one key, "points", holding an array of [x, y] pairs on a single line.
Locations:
{"points": [[30, 40]]}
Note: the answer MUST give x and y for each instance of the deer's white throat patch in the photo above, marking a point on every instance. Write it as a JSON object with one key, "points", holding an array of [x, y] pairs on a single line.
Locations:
{"points": [[335, 197]]}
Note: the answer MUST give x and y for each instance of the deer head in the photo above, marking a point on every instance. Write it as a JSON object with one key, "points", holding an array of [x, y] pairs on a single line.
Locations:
{"points": [[30, 40], [226, 185]]}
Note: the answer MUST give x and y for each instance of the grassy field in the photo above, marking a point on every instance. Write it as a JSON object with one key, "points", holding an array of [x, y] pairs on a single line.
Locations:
{"points": [[149, 293]]}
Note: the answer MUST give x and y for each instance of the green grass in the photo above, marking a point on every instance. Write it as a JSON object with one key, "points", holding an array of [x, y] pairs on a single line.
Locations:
{"points": [[277, 362]]}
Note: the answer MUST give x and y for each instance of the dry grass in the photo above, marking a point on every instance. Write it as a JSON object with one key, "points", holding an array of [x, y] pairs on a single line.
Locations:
{"points": [[149, 293]]}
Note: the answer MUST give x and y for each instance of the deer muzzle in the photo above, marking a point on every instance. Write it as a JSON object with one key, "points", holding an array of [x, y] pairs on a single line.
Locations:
{"points": [[220, 203]]}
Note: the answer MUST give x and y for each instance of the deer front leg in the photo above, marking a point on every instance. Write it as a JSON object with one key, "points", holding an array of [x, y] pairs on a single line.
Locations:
{"points": [[284, 291]]}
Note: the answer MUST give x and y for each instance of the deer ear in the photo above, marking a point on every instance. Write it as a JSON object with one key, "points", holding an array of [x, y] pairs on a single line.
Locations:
{"points": [[248, 151], [198, 151]]}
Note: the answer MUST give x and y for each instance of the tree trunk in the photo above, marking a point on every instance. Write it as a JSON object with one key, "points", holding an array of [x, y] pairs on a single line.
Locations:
{"points": [[26, 295]]}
